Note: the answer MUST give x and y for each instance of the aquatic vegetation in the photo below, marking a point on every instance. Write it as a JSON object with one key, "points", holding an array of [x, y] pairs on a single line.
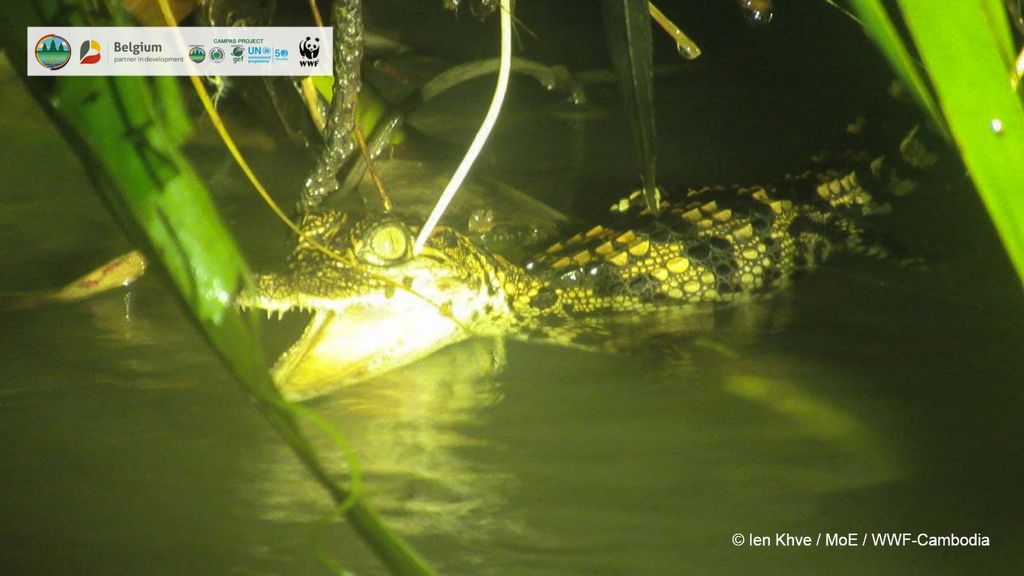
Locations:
{"points": [[968, 54], [163, 206], [628, 31]]}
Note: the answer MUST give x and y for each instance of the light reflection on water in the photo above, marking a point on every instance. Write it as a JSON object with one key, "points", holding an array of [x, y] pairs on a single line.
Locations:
{"points": [[411, 430]]}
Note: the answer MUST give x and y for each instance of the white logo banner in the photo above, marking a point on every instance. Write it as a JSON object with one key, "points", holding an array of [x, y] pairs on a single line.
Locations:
{"points": [[165, 51]]}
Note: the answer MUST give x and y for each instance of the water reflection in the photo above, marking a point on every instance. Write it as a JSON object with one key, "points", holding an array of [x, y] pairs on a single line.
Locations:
{"points": [[566, 453], [415, 431]]}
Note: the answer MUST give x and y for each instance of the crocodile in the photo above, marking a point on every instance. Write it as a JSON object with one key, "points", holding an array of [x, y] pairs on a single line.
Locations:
{"points": [[377, 306]]}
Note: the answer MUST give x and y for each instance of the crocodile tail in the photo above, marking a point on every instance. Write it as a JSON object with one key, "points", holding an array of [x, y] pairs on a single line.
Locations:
{"points": [[869, 185]]}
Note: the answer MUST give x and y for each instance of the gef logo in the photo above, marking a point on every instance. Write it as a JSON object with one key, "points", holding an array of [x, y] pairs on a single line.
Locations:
{"points": [[309, 50]]}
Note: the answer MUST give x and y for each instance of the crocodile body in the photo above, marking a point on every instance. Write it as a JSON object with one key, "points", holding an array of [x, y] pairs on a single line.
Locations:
{"points": [[706, 247]]}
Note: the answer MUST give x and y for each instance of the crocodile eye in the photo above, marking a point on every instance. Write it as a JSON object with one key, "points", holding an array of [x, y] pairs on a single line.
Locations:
{"points": [[386, 244]]}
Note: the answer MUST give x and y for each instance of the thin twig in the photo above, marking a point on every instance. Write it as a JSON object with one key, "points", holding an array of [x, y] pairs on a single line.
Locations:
{"points": [[687, 47], [316, 13], [384, 200]]}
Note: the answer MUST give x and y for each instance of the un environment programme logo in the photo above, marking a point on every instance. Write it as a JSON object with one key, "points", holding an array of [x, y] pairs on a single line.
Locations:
{"points": [[53, 52], [89, 53], [216, 54], [197, 54], [309, 50], [259, 54]]}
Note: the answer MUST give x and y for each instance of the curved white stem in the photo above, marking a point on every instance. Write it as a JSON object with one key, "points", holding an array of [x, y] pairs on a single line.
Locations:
{"points": [[481, 134]]}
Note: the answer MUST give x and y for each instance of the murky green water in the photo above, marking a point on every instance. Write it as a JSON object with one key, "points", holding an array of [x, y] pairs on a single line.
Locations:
{"points": [[871, 398]]}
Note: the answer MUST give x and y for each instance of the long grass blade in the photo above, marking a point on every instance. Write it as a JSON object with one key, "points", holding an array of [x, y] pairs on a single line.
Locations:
{"points": [[628, 31], [968, 51], [119, 128]]}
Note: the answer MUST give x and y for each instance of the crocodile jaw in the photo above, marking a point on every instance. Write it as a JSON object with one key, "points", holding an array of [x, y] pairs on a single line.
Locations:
{"points": [[360, 343], [353, 339]]}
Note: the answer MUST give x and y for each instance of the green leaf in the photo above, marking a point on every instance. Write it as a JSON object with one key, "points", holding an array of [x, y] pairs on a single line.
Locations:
{"points": [[968, 51], [628, 30], [126, 131]]}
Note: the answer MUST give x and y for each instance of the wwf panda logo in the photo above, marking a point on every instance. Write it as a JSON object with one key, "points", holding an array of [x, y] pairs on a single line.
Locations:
{"points": [[309, 48]]}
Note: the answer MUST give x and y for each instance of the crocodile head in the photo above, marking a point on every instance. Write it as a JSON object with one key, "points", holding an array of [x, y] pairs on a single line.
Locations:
{"points": [[374, 305]]}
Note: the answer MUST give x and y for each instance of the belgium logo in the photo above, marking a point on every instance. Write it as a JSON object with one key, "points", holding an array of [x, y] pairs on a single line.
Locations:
{"points": [[53, 52], [89, 53]]}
